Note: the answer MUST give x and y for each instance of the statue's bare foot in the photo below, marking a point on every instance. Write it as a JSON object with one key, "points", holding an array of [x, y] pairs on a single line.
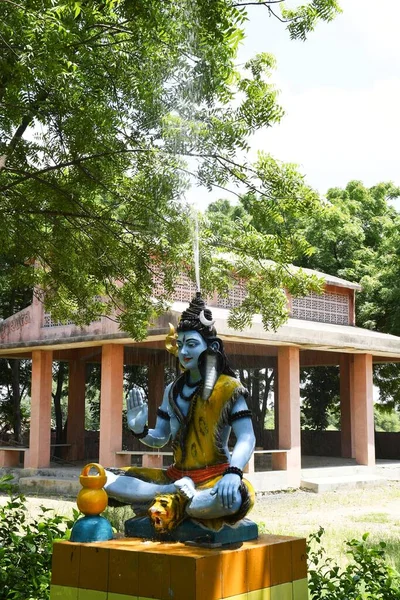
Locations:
{"points": [[186, 487]]}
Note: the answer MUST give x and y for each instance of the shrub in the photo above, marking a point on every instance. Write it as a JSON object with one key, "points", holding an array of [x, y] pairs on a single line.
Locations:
{"points": [[117, 516], [366, 577], [26, 547]]}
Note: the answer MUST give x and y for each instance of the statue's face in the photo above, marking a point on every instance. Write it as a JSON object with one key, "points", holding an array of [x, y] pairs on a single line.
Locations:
{"points": [[190, 346]]}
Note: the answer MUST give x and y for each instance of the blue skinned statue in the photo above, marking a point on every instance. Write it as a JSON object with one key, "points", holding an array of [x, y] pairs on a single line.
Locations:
{"points": [[199, 409]]}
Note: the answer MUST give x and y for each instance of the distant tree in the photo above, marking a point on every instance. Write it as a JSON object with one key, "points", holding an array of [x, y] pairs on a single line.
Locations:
{"points": [[353, 234], [15, 377], [259, 383], [355, 237], [14, 373], [387, 380], [320, 396], [60, 392], [386, 420]]}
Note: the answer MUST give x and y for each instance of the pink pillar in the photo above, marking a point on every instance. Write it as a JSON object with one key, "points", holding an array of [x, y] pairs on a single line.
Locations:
{"points": [[363, 411], [76, 410], [40, 426], [156, 390], [289, 431], [112, 372], [347, 405], [153, 462]]}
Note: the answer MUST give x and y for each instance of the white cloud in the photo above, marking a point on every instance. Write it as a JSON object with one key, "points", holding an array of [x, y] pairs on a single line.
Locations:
{"points": [[378, 26], [341, 94], [339, 134]]}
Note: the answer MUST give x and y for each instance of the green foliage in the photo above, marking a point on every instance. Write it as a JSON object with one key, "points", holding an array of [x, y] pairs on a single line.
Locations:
{"points": [[320, 397], [386, 378], [259, 384], [385, 419], [9, 405], [258, 247], [117, 516], [353, 234], [102, 105], [26, 548], [367, 575], [303, 19]]}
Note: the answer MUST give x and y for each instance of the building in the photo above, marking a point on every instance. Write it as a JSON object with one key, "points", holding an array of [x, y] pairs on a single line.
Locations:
{"points": [[321, 331]]}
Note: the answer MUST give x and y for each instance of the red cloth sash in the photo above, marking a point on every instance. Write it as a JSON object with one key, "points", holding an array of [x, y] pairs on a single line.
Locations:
{"points": [[197, 475]]}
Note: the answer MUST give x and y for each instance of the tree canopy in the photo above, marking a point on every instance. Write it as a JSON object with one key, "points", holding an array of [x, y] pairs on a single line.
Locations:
{"points": [[353, 233], [108, 108]]}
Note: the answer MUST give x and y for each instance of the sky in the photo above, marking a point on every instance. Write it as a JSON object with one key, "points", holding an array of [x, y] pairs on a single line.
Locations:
{"points": [[340, 91]]}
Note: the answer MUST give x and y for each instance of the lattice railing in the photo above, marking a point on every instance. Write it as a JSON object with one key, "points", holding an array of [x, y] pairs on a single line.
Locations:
{"points": [[48, 322], [326, 308], [185, 289], [235, 296]]}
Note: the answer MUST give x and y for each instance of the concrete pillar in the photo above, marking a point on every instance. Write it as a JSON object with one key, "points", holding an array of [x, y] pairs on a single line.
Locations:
{"points": [[156, 390], [276, 404], [76, 410], [363, 411], [346, 405], [152, 461], [112, 373], [289, 432], [40, 425]]}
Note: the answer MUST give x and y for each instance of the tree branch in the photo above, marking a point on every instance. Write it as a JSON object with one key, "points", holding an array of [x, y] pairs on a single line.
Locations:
{"points": [[266, 4], [26, 121]]}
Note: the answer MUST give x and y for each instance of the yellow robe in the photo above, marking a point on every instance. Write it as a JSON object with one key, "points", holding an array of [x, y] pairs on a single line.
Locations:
{"points": [[198, 443]]}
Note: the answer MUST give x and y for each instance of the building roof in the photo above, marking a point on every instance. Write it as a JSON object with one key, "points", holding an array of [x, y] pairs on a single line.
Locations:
{"points": [[307, 335], [331, 279]]}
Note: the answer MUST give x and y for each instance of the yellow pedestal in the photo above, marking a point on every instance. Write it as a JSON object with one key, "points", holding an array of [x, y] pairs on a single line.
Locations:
{"points": [[270, 568]]}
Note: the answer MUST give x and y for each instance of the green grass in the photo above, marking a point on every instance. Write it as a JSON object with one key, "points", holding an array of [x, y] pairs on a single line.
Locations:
{"points": [[372, 518], [344, 515]]}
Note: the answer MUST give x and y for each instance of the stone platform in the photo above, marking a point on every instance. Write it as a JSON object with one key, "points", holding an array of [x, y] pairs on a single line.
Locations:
{"points": [[269, 568]]}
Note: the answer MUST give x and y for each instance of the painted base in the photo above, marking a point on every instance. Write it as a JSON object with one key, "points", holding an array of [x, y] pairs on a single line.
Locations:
{"points": [[190, 531], [91, 529], [269, 568], [298, 590]]}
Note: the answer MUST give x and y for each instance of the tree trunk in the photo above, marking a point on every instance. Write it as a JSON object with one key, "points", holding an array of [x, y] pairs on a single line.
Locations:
{"points": [[57, 406], [16, 400], [269, 380]]}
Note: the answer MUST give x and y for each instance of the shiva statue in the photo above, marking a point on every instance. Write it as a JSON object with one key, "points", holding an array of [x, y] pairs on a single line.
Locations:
{"points": [[199, 409]]}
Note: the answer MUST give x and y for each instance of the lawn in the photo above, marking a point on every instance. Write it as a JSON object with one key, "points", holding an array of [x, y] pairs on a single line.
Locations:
{"points": [[343, 514]]}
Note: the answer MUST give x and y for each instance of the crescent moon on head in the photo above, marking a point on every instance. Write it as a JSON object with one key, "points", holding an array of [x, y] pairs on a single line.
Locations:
{"points": [[170, 341], [204, 321]]}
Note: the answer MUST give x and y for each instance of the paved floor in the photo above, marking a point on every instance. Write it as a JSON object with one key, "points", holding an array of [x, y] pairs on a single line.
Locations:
{"points": [[318, 473]]}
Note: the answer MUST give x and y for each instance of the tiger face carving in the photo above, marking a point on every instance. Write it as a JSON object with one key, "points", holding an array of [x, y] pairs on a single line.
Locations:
{"points": [[167, 511]]}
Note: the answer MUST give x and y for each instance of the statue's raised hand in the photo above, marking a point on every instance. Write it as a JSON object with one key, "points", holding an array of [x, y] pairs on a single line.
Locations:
{"points": [[137, 411]]}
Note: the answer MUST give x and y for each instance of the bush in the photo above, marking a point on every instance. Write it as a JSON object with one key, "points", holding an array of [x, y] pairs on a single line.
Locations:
{"points": [[26, 548], [117, 516], [366, 577]]}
